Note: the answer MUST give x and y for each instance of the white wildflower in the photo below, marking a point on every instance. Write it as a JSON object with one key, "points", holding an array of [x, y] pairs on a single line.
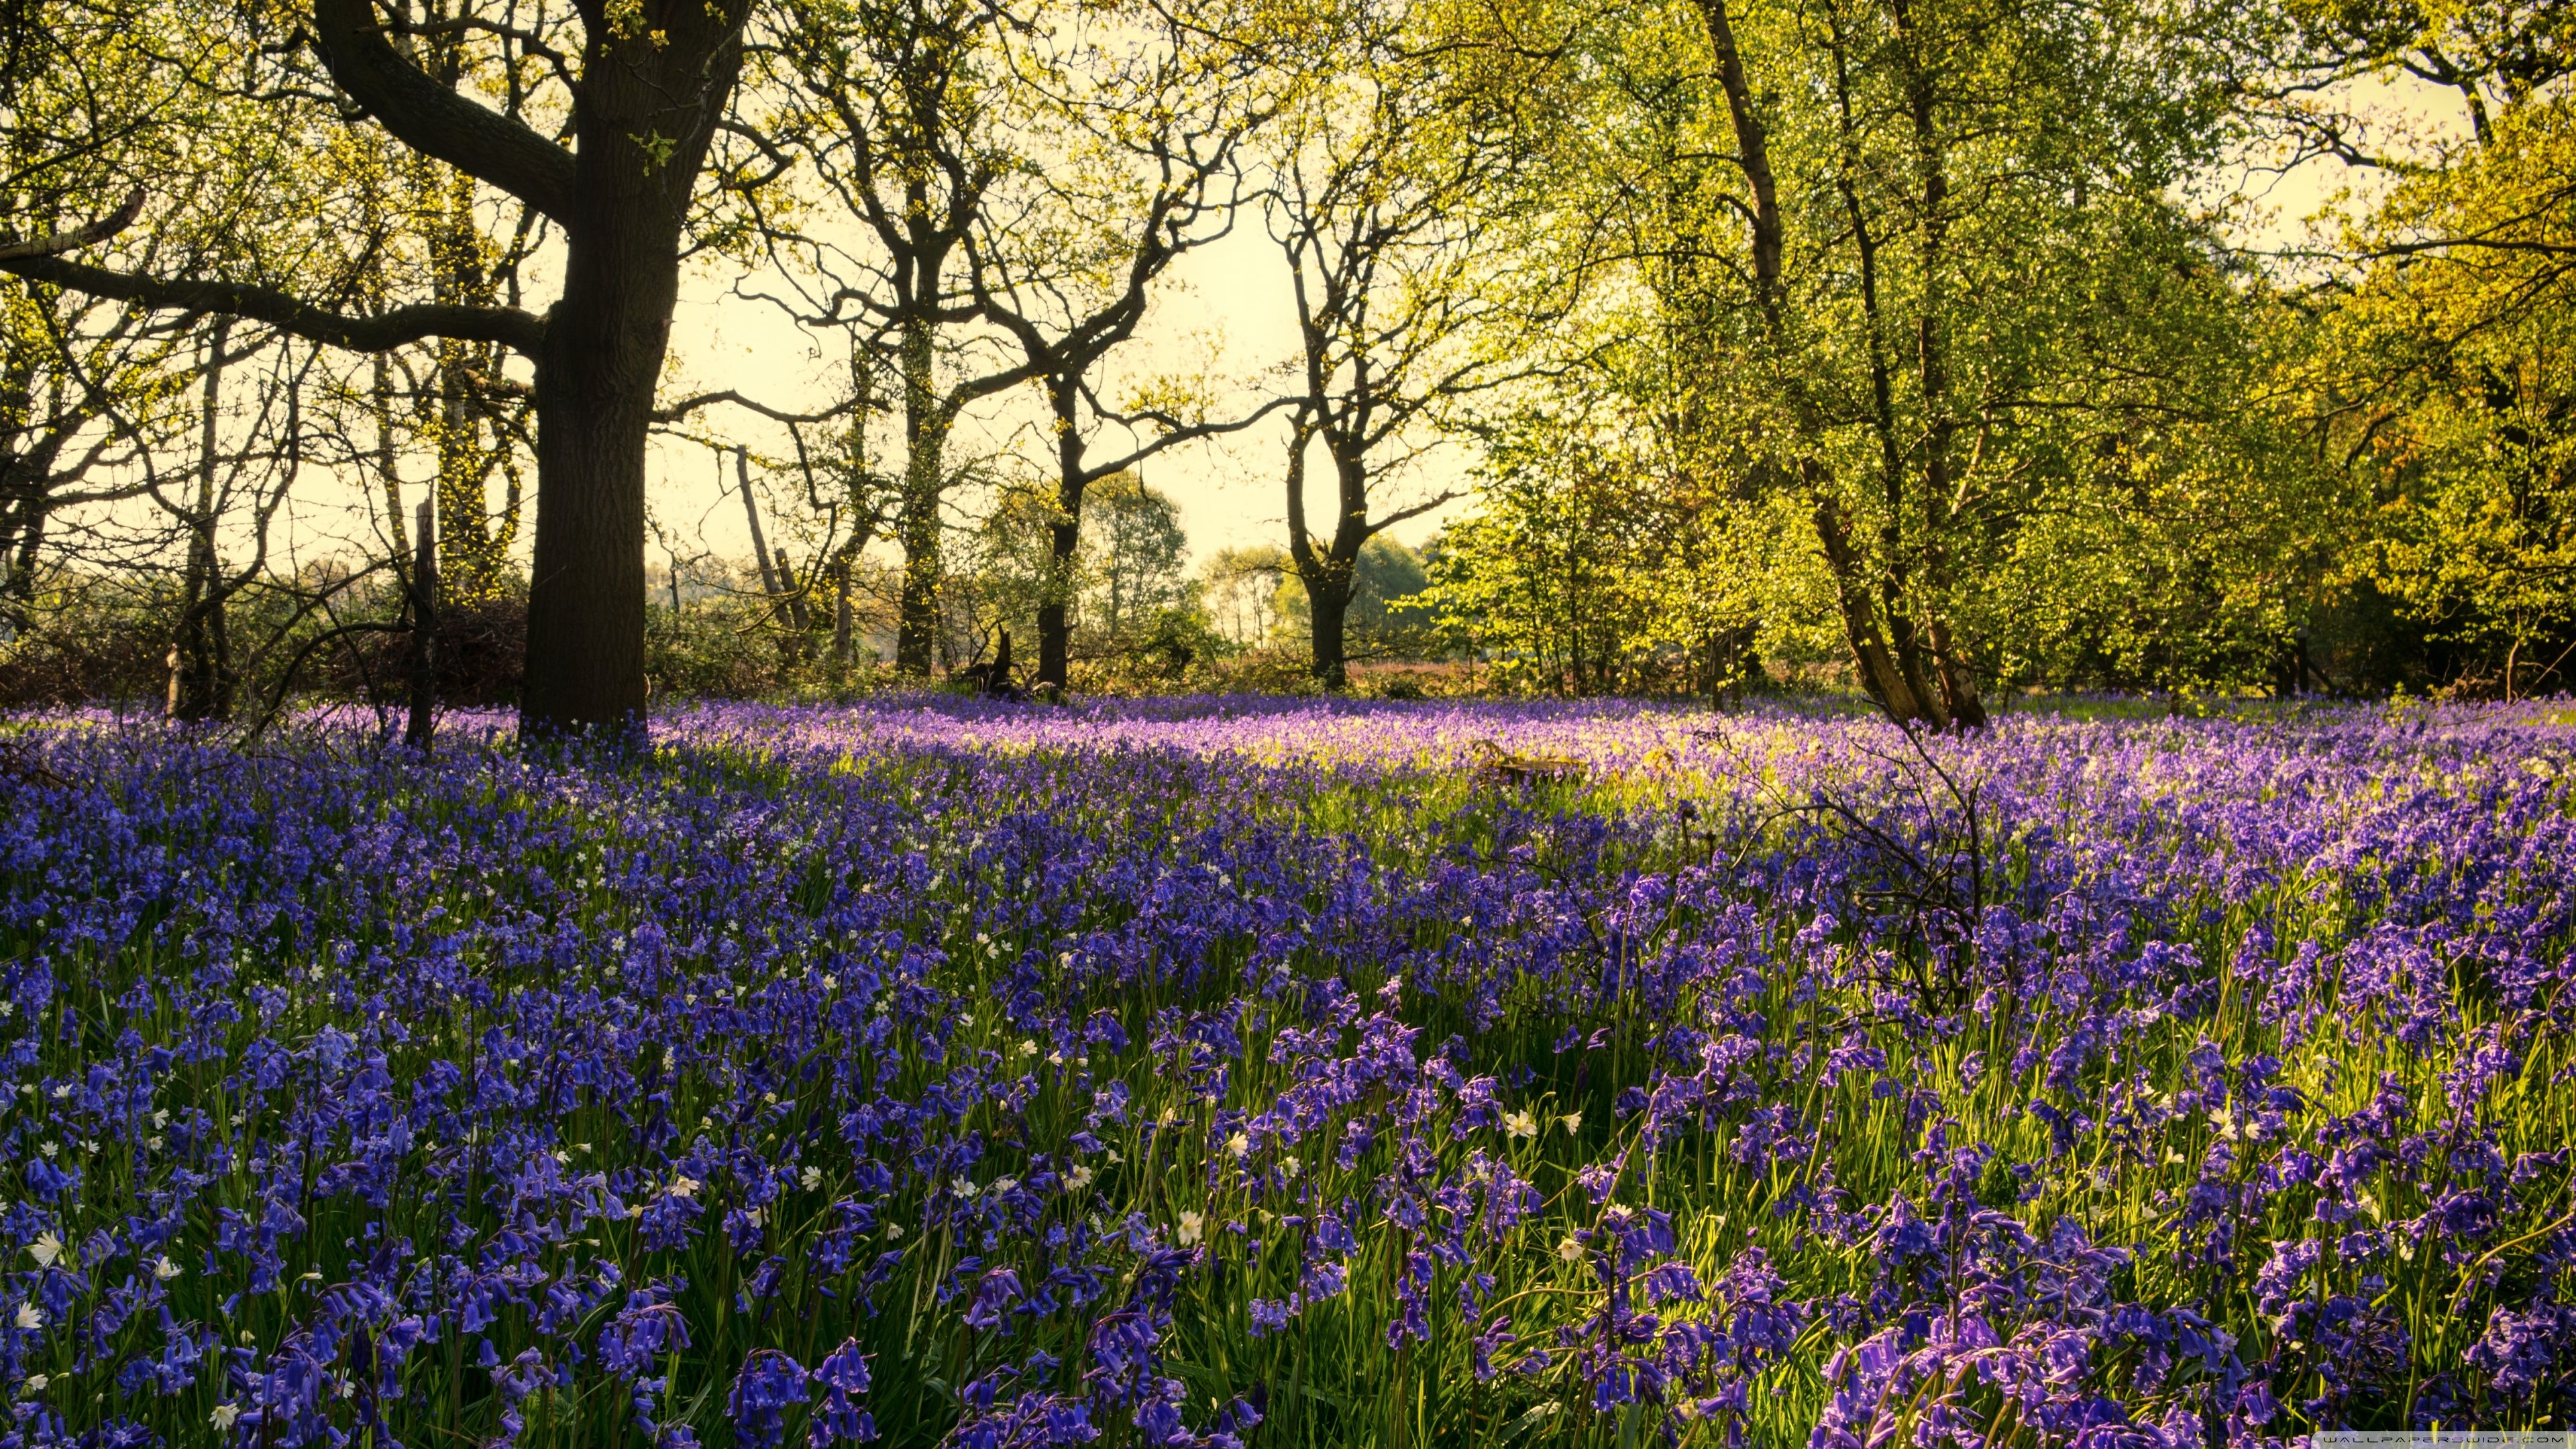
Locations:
{"points": [[46, 1249], [964, 1187], [685, 1186], [164, 1269], [1520, 1124], [1078, 1179], [1573, 1121], [1192, 1225], [811, 1177], [1570, 1250], [225, 1414], [36, 1382], [29, 1318]]}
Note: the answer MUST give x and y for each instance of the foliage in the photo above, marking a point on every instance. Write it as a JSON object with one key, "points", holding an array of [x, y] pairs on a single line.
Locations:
{"points": [[2459, 362]]}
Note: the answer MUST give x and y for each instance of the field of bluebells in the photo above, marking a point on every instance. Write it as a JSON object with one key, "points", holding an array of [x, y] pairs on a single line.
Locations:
{"points": [[1226, 1073]]}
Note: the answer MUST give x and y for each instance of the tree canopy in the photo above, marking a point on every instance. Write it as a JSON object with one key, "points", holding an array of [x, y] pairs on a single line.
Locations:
{"points": [[1932, 350]]}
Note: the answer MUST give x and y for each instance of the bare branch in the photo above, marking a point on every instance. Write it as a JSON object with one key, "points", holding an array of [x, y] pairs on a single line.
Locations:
{"points": [[507, 326]]}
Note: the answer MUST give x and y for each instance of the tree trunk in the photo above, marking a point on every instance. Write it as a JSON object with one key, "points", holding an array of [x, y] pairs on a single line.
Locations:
{"points": [[1326, 573], [20, 548], [472, 549], [1959, 702], [1064, 539], [424, 631], [925, 439], [1328, 604], [777, 584], [388, 462], [201, 686], [841, 620], [649, 105], [594, 393]]}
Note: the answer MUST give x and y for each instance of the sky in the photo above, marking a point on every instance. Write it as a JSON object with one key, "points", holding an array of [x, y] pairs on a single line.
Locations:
{"points": [[1226, 309]]}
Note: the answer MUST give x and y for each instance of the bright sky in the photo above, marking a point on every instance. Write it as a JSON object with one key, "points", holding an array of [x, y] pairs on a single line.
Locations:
{"points": [[1226, 309]]}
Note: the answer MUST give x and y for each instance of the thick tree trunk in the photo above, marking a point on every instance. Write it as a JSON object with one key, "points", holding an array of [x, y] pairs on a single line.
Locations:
{"points": [[1328, 603], [1055, 645], [594, 394], [1325, 572], [648, 108], [925, 464]]}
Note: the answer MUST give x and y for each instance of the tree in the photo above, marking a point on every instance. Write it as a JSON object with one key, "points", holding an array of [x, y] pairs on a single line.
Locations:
{"points": [[1414, 293], [2447, 378], [641, 89], [1240, 589], [1152, 137], [86, 393], [1133, 560], [1927, 197], [896, 118]]}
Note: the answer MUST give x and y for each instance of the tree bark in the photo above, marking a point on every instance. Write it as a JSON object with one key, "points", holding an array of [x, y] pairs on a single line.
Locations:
{"points": [[1959, 701], [18, 590], [841, 620], [1328, 604], [651, 92], [201, 685], [1064, 539], [777, 585], [1325, 576], [647, 109], [424, 631], [924, 468]]}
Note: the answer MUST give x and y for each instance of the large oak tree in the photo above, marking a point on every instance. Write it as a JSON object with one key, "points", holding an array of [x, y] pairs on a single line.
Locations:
{"points": [[635, 92]]}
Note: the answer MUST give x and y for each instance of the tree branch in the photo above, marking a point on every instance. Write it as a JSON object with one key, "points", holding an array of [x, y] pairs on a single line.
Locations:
{"points": [[507, 326], [686, 406], [436, 121]]}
